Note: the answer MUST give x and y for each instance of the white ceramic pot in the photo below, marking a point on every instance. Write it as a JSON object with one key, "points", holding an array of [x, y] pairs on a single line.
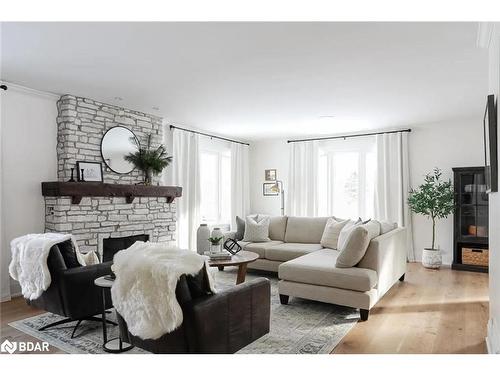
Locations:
{"points": [[215, 249], [431, 258], [202, 235]]}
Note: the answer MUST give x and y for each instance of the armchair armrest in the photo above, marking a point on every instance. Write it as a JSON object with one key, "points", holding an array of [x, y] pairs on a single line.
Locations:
{"points": [[80, 296], [228, 321]]}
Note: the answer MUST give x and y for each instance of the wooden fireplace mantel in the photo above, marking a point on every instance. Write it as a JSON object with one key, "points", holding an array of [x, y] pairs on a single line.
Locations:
{"points": [[78, 190]]}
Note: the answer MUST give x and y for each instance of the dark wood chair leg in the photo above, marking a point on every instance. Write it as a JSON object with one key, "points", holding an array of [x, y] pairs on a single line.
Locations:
{"points": [[364, 314], [402, 278], [284, 299]]}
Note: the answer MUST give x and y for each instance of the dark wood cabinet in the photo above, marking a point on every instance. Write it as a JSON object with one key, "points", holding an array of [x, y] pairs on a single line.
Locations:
{"points": [[470, 238]]}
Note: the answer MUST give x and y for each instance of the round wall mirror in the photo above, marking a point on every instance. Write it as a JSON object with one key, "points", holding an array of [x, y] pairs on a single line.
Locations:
{"points": [[116, 143]]}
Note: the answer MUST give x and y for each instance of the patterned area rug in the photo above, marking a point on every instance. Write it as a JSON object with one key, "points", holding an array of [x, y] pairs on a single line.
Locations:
{"points": [[302, 326]]}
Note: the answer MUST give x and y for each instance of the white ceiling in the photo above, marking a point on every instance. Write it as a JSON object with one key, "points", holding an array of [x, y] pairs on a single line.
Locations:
{"points": [[259, 80]]}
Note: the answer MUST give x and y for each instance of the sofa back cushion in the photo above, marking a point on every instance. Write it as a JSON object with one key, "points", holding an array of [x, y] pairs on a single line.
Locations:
{"points": [[277, 228], [305, 229], [386, 227]]}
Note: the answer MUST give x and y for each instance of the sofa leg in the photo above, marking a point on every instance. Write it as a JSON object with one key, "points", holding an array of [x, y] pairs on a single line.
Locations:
{"points": [[402, 278], [364, 314], [284, 299], [221, 268]]}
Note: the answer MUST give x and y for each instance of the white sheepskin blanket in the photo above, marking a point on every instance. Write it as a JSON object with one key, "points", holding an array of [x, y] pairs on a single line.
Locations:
{"points": [[144, 290], [29, 261]]}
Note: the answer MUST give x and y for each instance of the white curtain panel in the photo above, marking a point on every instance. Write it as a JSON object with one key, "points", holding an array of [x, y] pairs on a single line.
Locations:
{"points": [[240, 182], [186, 173], [393, 183], [303, 179], [4, 245]]}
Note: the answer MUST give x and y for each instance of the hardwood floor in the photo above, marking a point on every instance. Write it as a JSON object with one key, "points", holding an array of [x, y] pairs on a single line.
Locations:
{"points": [[441, 311], [432, 311], [17, 309]]}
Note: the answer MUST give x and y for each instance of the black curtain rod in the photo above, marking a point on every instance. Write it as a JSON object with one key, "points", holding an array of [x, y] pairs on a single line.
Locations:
{"points": [[209, 135], [348, 136]]}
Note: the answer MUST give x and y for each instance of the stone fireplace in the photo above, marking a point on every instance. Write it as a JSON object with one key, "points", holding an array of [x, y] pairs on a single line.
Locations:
{"points": [[117, 208]]}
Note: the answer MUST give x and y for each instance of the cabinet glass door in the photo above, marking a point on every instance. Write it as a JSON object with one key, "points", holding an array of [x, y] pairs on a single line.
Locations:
{"points": [[473, 206]]}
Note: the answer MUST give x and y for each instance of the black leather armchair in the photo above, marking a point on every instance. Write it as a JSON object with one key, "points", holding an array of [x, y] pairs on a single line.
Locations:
{"points": [[222, 323], [72, 292]]}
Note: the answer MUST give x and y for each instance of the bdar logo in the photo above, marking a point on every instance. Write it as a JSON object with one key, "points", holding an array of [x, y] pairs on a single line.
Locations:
{"points": [[8, 347]]}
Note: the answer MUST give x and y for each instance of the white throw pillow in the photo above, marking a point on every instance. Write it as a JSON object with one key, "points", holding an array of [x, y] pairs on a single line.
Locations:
{"points": [[357, 241], [346, 230], [331, 233], [90, 258], [257, 228]]}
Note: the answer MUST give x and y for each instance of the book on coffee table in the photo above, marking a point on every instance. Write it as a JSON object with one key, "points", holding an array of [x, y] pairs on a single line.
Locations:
{"points": [[218, 256]]}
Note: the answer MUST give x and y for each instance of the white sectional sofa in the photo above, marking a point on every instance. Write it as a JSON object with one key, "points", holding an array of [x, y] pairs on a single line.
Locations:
{"points": [[307, 270]]}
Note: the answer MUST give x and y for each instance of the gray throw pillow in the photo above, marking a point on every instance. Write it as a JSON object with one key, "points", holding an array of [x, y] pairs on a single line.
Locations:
{"points": [[240, 229], [353, 249]]}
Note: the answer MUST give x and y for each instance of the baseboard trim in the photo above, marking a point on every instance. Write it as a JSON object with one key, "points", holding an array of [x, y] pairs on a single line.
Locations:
{"points": [[493, 338]]}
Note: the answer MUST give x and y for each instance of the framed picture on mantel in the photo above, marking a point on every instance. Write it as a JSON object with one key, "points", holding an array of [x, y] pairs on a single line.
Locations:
{"points": [[89, 171]]}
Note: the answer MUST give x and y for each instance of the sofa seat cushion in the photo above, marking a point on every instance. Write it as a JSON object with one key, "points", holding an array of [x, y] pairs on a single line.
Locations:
{"points": [[318, 268], [287, 251], [258, 247]]}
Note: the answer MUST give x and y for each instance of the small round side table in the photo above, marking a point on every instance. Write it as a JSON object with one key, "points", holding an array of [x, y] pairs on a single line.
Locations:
{"points": [[115, 345]]}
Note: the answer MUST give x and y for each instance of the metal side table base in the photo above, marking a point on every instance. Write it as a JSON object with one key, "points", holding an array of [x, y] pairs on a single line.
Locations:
{"points": [[116, 345]]}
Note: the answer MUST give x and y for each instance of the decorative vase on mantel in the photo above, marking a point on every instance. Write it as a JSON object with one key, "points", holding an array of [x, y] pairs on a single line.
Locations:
{"points": [[147, 177], [202, 235]]}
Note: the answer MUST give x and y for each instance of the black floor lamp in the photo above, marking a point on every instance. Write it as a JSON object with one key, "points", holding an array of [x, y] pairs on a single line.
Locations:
{"points": [[278, 188]]}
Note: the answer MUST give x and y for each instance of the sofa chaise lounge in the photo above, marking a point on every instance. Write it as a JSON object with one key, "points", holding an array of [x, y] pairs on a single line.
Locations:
{"points": [[307, 270]]}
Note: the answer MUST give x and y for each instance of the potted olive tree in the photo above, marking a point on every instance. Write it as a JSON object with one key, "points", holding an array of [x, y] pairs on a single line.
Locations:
{"points": [[434, 199]]}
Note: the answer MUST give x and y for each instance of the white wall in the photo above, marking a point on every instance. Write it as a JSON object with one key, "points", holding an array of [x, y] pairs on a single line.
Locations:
{"points": [[264, 155], [444, 145], [28, 151], [493, 339]]}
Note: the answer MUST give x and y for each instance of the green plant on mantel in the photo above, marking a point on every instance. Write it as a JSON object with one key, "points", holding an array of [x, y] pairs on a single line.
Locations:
{"points": [[434, 199], [149, 161]]}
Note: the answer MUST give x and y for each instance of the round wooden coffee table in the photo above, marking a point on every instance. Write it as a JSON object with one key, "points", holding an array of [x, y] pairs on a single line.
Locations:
{"points": [[241, 260]]}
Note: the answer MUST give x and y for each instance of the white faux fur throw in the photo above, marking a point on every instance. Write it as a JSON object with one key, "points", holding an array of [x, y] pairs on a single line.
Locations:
{"points": [[144, 290], [29, 261]]}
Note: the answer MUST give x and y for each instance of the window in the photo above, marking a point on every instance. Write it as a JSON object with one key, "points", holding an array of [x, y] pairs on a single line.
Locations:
{"points": [[215, 175], [346, 179]]}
